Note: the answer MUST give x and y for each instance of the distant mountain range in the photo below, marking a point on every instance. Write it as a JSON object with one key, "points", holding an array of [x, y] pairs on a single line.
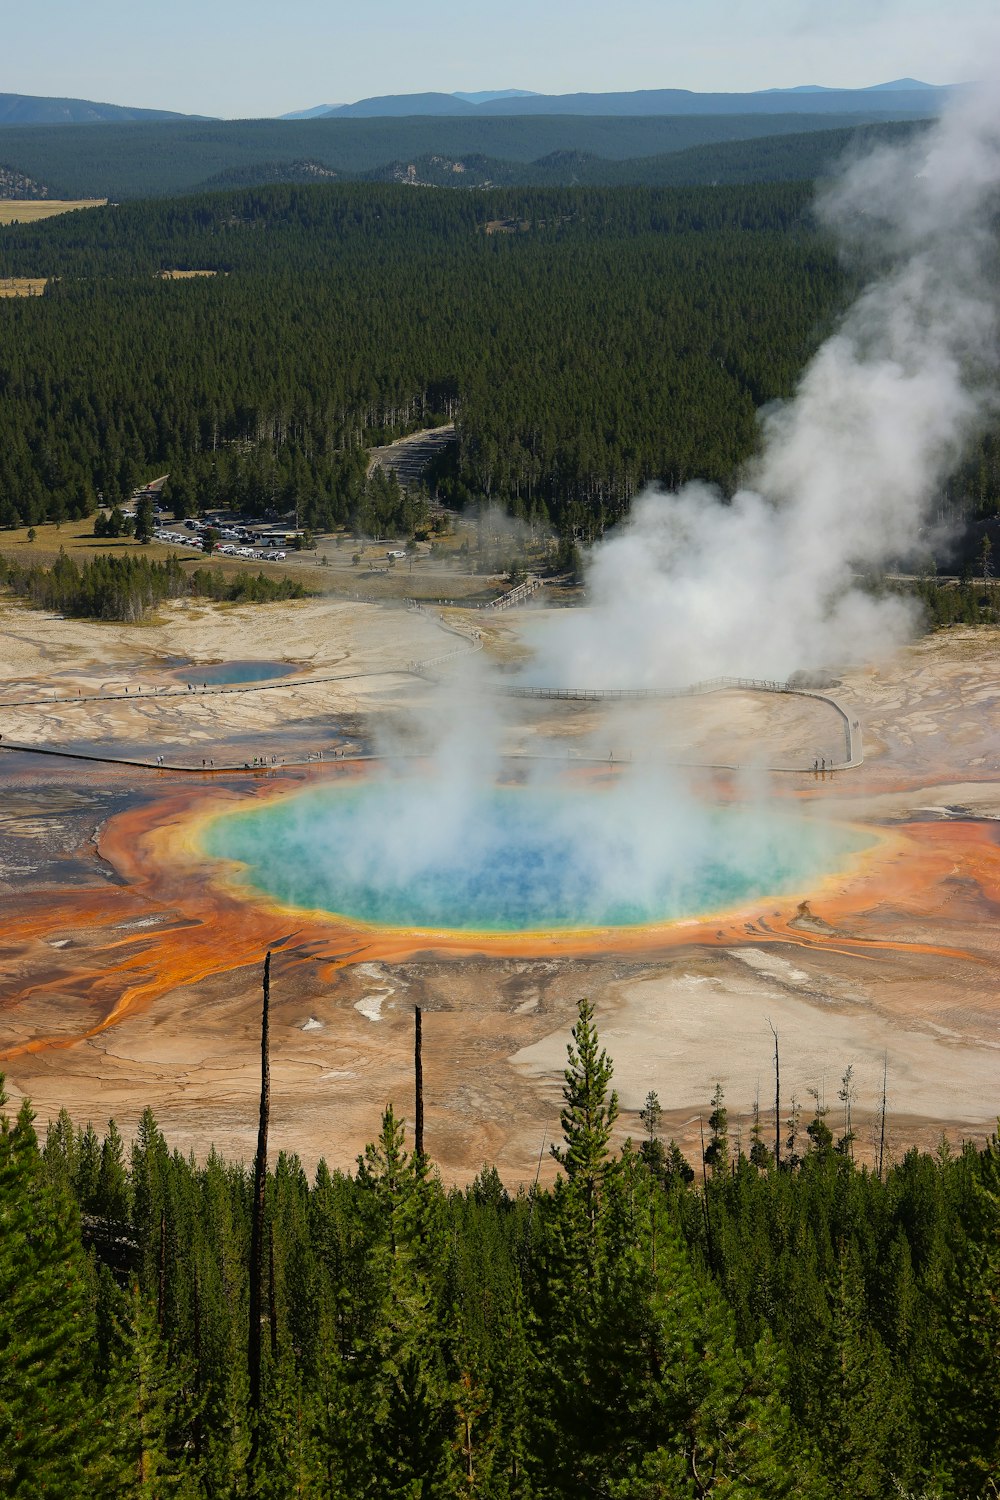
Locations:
{"points": [[896, 85], [316, 113], [487, 94], [29, 109], [902, 98]]}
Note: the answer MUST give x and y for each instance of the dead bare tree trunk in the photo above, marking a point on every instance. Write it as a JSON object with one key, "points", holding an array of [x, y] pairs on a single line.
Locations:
{"points": [[777, 1103], [881, 1134], [418, 1080], [257, 1226]]}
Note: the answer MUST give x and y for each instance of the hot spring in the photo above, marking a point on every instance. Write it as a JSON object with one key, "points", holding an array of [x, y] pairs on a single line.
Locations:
{"points": [[418, 853], [221, 673]]}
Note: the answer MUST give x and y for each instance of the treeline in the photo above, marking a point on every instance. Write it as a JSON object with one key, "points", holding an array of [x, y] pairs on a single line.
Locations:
{"points": [[124, 588], [967, 603], [809, 1328]]}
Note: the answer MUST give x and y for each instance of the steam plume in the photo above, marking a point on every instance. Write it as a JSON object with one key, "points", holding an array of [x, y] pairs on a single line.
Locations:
{"points": [[692, 586]]}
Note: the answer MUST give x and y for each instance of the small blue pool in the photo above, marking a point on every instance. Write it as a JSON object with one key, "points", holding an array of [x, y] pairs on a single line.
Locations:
{"points": [[220, 672]]}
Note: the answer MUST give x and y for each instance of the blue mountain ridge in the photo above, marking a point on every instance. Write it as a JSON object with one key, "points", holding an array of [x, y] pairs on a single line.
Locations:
{"points": [[903, 96]]}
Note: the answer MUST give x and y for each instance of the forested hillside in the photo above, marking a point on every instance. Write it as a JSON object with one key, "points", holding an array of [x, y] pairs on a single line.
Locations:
{"points": [[800, 157], [587, 340], [798, 1328], [25, 110], [151, 160]]}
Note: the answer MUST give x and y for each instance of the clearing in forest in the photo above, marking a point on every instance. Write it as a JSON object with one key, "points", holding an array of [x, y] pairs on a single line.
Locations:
{"points": [[27, 210], [22, 286]]}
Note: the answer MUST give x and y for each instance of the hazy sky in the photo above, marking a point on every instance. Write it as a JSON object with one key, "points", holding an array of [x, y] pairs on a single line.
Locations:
{"points": [[249, 58]]}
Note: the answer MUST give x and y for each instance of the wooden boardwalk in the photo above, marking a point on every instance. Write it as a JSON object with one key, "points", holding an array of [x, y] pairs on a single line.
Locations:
{"points": [[427, 669]]}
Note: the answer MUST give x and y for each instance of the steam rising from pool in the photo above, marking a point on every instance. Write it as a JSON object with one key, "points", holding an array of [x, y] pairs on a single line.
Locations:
{"points": [[387, 852]]}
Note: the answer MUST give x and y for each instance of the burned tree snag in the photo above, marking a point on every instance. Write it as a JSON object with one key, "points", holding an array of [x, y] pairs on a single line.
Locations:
{"points": [[881, 1132], [418, 1079], [777, 1104], [257, 1222]]}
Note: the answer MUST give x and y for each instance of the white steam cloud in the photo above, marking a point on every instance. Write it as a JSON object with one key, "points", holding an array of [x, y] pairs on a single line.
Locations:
{"points": [[692, 586]]}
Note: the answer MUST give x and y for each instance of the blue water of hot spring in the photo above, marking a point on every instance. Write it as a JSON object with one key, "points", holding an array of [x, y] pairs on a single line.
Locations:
{"points": [[221, 673], [414, 854]]}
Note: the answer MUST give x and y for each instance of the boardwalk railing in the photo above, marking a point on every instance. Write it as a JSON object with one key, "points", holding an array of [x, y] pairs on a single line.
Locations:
{"points": [[852, 728], [709, 685], [472, 641], [517, 595], [426, 668]]}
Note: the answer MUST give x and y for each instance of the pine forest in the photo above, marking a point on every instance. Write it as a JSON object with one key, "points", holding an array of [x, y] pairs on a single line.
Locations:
{"points": [[779, 1321]]}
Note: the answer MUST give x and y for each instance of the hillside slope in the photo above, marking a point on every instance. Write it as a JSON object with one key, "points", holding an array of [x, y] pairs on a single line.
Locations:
{"points": [[32, 109]]}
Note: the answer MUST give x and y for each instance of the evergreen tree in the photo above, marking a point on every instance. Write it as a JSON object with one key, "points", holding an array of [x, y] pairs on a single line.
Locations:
{"points": [[588, 1113], [54, 1427], [717, 1150], [399, 1387], [861, 1420], [760, 1156], [112, 1197], [846, 1094], [144, 519], [61, 1150], [150, 1389], [819, 1133], [651, 1150], [88, 1168], [962, 1365]]}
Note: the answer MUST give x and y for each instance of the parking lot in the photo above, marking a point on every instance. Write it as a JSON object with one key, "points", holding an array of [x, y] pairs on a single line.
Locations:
{"points": [[234, 541]]}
